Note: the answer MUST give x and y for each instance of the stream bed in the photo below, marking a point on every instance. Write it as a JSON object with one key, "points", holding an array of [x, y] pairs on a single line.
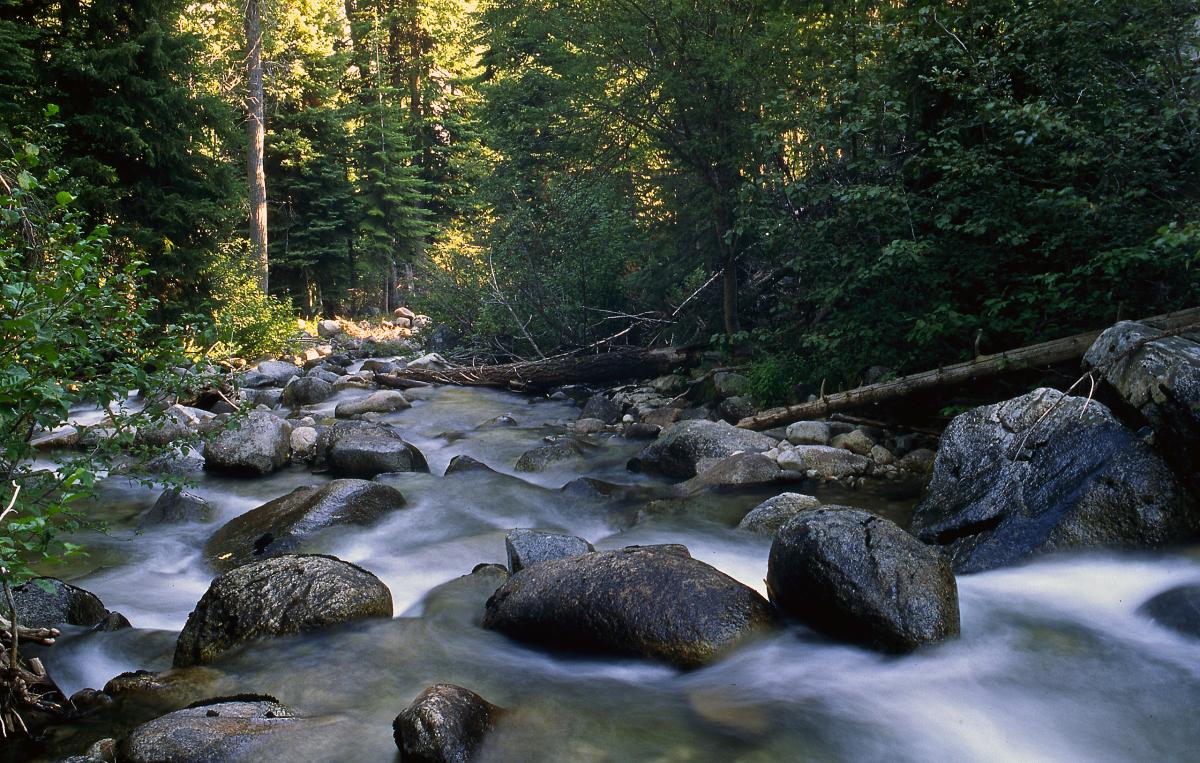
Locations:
{"points": [[1054, 663]]}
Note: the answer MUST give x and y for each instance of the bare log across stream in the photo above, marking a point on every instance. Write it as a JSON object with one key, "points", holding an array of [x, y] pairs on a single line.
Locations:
{"points": [[553, 371], [988, 366]]}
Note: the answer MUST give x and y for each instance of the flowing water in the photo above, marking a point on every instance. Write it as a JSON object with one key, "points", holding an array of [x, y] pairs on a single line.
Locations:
{"points": [[1054, 663]]}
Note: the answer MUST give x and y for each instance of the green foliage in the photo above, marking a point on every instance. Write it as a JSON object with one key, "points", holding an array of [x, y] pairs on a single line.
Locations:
{"points": [[245, 322], [773, 378], [74, 332]]}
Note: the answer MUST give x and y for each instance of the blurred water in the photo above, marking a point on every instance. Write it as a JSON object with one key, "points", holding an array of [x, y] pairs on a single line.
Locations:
{"points": [[1053, 664]]}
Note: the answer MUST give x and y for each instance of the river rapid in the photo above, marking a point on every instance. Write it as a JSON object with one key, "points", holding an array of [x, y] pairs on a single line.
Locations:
{"points": [[1054, 663]]}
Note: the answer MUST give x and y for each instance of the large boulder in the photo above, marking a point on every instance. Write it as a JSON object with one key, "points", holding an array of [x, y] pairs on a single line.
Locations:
{"points": [[774, 513], [1177, 609], [680, 446], [47, 602], [738, 470], [1160, 378], [284, 524], [444, 724], [275, 597], [260, 445], [362, 449], [234, 728], [306, 390], [859, 577], [527, 547], [384, 401], [824, 462], [1045, 472], [280, 372], [634, 602]]}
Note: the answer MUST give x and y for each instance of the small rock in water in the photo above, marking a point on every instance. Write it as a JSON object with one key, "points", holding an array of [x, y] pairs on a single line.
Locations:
{"points": [[773, 513], [444, 724], [599, 406], [362, 449], [589, 426], [543, 457], [859, 577], [306, 390], [681, 446], [824, 462], [464, 463], [234, 728], [527, 547], [176, 505], [1177, 609], [260, 446], [47, 602], [384, 401]]}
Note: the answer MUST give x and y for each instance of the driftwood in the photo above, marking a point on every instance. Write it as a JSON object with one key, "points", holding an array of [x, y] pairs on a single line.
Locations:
{"points": [[988, 366], [553, 371]]}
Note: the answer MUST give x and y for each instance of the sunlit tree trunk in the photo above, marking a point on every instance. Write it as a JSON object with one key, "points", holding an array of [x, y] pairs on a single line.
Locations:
{"points": [[255, 138]]}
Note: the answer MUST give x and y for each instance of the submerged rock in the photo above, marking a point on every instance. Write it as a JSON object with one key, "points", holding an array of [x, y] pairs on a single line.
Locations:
{"points": [[261, 445], [543, 457], [631, 602], [362, 449], [1177, 609], [858, 577], [1046, 472], [527, 547], [463, 463], [444, 724], [284, 524], [275, 597], [680, 446], [235, 728], [774, 513]]}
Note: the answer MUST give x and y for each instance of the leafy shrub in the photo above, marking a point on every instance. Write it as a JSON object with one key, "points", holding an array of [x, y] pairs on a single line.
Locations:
{"points": [[245, 322]]}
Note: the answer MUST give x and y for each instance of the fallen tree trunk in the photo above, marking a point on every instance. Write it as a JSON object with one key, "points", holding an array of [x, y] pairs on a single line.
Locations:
{"points": [[988, 366], [552, 372]]}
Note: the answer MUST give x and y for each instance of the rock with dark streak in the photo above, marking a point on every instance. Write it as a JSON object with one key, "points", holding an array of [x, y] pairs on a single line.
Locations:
{"points": [[444, 724]]}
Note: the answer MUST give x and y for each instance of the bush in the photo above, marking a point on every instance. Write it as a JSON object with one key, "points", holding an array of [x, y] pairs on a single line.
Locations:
{"points": [[246, 323]]}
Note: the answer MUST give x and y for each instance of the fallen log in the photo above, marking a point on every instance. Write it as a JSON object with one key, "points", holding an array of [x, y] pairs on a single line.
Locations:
{"points": [[553, 371], [988, 366]]}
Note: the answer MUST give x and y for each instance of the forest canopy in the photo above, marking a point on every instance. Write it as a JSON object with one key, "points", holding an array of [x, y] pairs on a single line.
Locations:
{"points": [[822, 186]]}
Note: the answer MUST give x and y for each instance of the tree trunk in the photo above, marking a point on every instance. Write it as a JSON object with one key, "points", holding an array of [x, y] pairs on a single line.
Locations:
{"points": [[255, 133], [554, 371], [988, 366]]}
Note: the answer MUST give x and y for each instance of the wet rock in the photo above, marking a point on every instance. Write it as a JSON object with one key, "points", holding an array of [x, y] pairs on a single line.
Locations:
{"points": [[541, 458], [237, 728], [176, 423], [600, 407], [680, 446], [362, 449], [824, 462], [1177, 609], [882, 455], [164, 691], [640, 430], [286, 523], [464, 463], [175, 506], [102, 751], [630, 602], [260, 446], [255, 380], [675, 549], [528, 547], [280, 372], [325, 376], [588, 426], [55, 604], [1160, 378], [503, 420], [856, 441], [444, 724], [377, 366], [61, 438], [275, 597], [267, 397], [734, 409], [860, 578], [737, 470], [384, 401], [113, 621], [774, 513], [306, 390], [1046, 472]]}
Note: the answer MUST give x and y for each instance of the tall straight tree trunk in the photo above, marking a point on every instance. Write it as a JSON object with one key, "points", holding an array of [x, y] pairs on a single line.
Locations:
{"points": [[255, 138]]}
